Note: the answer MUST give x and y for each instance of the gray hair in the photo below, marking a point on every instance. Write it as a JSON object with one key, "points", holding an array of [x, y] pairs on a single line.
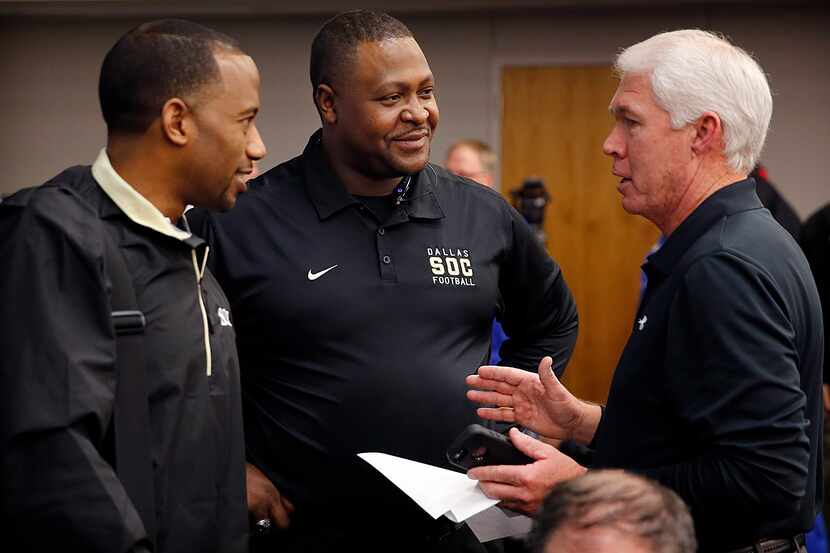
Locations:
{"points": [[694, 71], [614, 499]]}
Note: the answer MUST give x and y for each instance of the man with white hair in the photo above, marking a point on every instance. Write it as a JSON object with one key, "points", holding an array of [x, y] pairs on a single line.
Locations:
{"points": [[717, 394]]}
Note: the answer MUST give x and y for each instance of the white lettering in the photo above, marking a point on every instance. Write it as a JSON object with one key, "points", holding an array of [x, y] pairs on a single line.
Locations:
{"points": [[437, 265], [452, 266]]}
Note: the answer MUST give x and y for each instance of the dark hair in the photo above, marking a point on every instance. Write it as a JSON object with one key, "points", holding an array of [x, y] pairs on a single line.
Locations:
{"points": [[630, 504], [154, 62], [335, 44]]}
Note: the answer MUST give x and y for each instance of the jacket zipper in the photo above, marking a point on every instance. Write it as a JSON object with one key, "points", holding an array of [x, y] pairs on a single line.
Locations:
{"points": [[200, 273]]}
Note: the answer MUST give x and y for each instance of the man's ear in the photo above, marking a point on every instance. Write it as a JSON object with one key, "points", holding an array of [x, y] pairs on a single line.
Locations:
{"points": [[708, 133], [324, 99], [175, 121]]}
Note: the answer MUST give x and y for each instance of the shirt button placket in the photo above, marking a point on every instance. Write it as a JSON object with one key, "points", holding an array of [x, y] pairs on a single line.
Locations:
{"points": [[387, 269]]}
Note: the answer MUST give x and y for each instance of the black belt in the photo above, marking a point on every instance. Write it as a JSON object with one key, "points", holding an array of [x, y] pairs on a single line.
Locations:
{"points": [[791, 545]]}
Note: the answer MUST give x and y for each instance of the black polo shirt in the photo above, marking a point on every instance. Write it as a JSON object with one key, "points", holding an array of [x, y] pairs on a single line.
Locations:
{"points": [[718, 391], [356, 334]]}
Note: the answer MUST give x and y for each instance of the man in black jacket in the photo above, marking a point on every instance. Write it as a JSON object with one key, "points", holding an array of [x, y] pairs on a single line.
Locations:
{"points": [[717, 394], [179, 101]]}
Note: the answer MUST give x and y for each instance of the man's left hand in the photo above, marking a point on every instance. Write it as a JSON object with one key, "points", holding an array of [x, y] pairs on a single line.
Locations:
{"points": [[522, 488]]}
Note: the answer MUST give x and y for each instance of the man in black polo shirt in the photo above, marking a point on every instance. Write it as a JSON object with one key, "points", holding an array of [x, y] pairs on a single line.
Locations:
{"points": [[717, 394], [363, 282]]}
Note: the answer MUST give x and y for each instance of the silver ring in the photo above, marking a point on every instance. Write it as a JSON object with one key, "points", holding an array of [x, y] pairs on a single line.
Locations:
{"points": [[262, 526]]}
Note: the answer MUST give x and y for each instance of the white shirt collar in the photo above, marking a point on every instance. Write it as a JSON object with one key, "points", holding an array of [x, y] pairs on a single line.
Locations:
{"points": [[133, 204]]}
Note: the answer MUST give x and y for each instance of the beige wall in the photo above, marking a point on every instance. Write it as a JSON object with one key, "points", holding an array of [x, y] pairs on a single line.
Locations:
{"points": [[49, 67]]}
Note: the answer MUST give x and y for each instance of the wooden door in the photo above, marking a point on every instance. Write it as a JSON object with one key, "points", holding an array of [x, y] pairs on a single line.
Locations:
{"points": [[554, 120]]}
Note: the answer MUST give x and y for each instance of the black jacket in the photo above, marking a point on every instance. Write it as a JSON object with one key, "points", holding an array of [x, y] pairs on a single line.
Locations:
{"points": [[59, 491]]}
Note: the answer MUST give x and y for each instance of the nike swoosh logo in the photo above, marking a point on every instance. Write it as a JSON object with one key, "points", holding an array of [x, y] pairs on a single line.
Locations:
{"points": [[315, 276]]}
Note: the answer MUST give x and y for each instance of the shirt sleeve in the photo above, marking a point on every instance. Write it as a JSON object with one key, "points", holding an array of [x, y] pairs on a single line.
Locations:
{"points": [[538, 310], [59, 494], [735, 383]]}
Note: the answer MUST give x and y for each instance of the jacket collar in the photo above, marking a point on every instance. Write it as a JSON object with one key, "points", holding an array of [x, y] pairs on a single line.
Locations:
{"points": [[135, 206], [329, 196]]}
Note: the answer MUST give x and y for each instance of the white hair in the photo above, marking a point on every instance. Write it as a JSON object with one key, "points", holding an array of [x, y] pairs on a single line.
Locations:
{"points": [[694, 71]]}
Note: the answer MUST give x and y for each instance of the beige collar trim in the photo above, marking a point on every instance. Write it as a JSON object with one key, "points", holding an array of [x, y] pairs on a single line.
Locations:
{"points": [[134, 205]]}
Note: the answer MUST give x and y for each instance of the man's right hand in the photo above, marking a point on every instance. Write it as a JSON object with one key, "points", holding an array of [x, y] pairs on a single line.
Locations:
{"points": [[523, 488], [264, 500], [538, 402]]}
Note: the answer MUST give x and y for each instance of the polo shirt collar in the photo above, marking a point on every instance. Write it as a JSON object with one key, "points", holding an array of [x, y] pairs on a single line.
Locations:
{"points": [[329, 195], [423, 201], [326, 192], [135, 206], [734, 198]]}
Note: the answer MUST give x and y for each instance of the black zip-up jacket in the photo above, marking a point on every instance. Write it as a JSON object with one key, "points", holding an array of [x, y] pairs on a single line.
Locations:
{"points": [[58, 361]]}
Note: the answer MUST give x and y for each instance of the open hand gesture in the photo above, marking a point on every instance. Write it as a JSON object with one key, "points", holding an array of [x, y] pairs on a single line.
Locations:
{"points": [[536, 401]]}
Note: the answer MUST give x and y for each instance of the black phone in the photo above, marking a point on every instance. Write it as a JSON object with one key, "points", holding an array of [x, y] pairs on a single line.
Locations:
{"points": [[478, 446]]}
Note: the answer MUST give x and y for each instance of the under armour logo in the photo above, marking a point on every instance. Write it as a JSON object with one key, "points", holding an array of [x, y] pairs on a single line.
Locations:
{"points": [[642, 322], [224, 317]]}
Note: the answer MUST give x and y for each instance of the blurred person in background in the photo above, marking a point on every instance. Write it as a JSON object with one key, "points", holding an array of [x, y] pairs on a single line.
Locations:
{"points": [[815, 241], [474, 160], [778, 206]]}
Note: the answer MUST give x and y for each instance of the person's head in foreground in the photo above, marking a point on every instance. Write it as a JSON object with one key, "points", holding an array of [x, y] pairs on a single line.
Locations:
{"points": [[612, 511], [692, 112]]}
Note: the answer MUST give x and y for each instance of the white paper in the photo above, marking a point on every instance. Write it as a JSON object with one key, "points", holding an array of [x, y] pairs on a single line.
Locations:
{"points": [[439, 491]]}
